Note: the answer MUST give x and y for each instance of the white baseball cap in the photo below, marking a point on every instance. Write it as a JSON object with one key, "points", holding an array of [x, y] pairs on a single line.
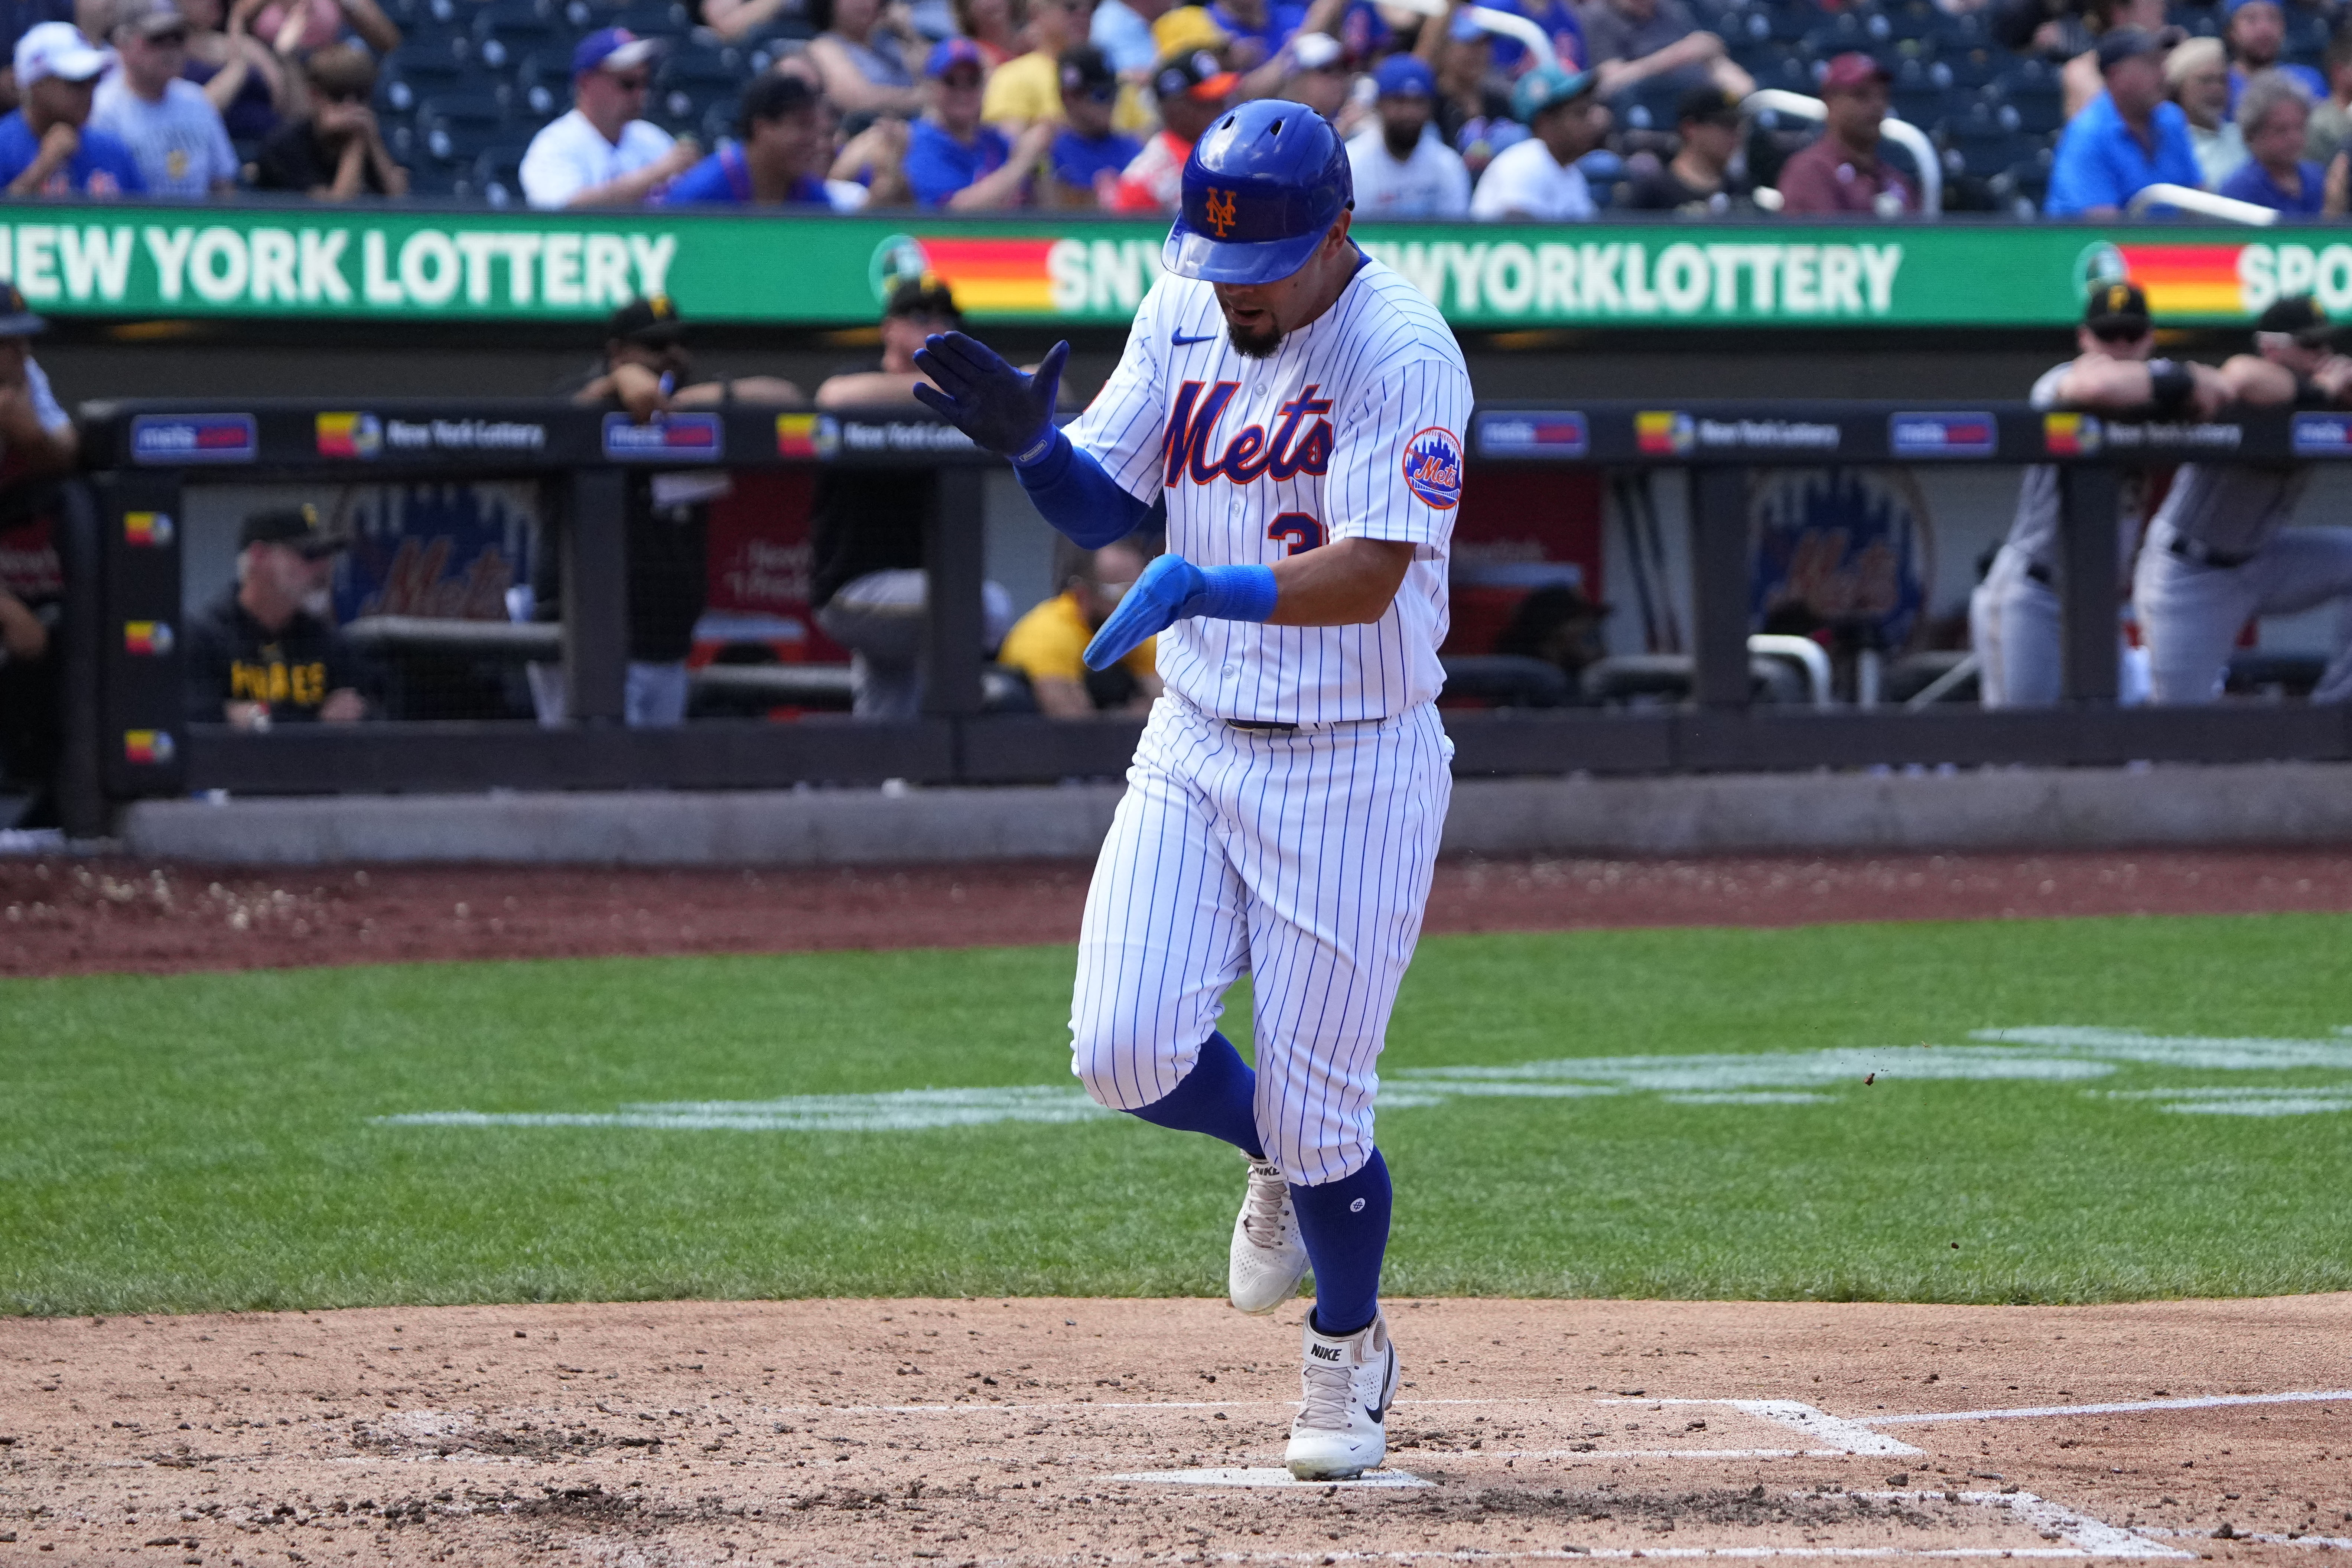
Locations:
{"points": [[58, 49]]}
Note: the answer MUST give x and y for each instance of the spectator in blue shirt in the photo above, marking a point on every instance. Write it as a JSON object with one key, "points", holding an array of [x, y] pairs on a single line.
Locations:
{"points": [[954, 160], [2276, 115], [2256, 33], [2127, 139], [48, 148], [1088, 156], [780, 160]]}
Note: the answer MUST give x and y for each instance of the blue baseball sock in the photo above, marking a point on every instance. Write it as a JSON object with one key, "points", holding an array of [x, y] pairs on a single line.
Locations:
{"points": [[1219, 1097], [1345, 1225]]}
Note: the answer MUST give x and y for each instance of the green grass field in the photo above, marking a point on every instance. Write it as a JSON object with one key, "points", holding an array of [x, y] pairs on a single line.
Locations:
{"points": [[211, 1142]]}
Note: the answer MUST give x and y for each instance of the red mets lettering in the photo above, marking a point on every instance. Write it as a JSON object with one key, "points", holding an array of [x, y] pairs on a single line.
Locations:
{"points": [[1249, 456]]}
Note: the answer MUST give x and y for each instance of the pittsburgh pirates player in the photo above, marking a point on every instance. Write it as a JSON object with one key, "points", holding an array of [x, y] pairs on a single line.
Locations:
{"points": [[1297, 408], [2015, 616], [2219, 553]]}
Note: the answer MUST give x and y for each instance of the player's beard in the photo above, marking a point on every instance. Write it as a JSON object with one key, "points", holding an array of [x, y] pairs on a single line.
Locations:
{"points": [[1260, 344]]}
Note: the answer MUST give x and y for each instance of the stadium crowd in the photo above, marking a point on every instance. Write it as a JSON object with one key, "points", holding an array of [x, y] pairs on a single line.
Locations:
{"points": [[2068, 107]]}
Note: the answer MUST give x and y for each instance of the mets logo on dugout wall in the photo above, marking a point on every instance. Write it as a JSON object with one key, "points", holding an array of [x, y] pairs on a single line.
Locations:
{"points": [[1432, 467]]}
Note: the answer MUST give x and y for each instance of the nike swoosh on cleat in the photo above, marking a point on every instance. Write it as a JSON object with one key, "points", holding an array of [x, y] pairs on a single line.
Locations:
{"points": [[1378, 1413], [1177, 339]]}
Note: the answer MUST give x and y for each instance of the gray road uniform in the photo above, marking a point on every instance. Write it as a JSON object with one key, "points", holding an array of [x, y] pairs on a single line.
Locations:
{"points": [[2015, 616], [2219, 555]]}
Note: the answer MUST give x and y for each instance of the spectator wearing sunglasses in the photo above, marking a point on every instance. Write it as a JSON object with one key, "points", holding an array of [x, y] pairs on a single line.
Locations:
{"points": [[600, 154], [338, 152], [953, 160], [170, 126], [1088, 156]]}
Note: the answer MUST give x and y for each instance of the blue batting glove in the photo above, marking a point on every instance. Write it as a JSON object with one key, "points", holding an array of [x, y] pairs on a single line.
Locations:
{"points": [[978, 393], [1172, 589]]}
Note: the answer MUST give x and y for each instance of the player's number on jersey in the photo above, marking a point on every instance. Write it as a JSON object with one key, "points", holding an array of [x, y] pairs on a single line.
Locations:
{"points": [[1296, 528]]}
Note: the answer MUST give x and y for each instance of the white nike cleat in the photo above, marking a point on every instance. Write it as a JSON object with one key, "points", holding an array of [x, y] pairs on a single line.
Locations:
{"points": [[1342, 1426], [1268, 1260]]}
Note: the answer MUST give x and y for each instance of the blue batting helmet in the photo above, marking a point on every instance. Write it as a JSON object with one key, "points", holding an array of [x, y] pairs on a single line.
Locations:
{"points": [[1262, 188]]}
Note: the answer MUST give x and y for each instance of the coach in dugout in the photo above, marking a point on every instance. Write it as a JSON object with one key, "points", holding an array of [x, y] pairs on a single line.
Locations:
{"points": [[867, 586], [2016, 619], [268, 651], [2221, 553], [38, 443]]}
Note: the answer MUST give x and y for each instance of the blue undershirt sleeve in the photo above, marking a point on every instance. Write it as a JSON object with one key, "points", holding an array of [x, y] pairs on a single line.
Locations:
{"points": [[1073, 493]]}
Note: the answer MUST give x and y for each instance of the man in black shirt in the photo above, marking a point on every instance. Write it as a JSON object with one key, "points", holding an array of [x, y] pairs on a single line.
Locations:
{"points": [[338, 152], [867, 583], [267, 651], [1700, 178]]}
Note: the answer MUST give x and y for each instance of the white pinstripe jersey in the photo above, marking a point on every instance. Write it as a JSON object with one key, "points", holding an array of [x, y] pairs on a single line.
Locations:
{"points": [[1352, 429]]}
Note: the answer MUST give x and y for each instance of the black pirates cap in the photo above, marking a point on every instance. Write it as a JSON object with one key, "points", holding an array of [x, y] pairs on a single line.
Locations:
{"points": [[2114, 305], [652, 322], [2300, 318], [926, 295], [296, 527]]}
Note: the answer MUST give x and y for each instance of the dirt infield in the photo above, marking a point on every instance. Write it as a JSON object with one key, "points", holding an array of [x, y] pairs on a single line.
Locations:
{"points": [[984, 1432], [66, 917]]}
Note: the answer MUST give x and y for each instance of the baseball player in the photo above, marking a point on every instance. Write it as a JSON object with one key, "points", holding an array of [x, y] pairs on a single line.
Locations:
{"points": [[1297, 409], [2015, 615], [2219, 553]]}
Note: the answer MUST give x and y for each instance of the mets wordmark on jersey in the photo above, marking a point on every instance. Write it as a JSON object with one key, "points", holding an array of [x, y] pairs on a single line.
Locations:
{"points": [[1351, 430]]}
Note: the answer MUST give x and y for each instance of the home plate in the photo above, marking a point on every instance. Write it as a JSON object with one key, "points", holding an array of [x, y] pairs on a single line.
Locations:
{"points": [[1371, 1479]]}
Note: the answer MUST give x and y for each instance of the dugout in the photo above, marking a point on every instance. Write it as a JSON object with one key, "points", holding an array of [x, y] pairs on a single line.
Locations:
{"points": [[166, 476]]}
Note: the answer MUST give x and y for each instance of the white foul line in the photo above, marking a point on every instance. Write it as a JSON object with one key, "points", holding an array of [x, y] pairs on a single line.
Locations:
{"points": [[1848, 1436], [2209, 1401], [2096, 1537]]}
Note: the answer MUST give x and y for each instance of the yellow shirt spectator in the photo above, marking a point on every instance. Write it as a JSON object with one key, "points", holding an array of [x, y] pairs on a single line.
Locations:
{"points": [[1028, 89], [1049, 644]]}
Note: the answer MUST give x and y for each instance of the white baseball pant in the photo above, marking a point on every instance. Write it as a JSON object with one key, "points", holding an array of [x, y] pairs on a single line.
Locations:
{"points": [[1302, 859], [2017, 629], [2191, 613]]}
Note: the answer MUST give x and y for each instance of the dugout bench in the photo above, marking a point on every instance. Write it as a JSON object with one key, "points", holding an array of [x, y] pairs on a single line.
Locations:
{"points": [[128, 739]]}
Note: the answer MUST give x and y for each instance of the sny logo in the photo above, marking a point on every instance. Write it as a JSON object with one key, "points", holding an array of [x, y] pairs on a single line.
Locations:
{"points": [[1192, 422], [1220, 214], [1432, 467]]}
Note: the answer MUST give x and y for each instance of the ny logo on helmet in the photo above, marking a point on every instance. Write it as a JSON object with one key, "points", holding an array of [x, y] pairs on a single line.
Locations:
{"points": [[1220, 211]]}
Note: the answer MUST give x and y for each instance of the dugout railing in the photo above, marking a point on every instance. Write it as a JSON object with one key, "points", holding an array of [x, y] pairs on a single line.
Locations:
{"points": [[128, 737]]}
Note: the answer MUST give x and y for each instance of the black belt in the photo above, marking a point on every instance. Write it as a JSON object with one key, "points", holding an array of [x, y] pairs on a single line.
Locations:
{"points": [[1263, 726], [2189, 550]]}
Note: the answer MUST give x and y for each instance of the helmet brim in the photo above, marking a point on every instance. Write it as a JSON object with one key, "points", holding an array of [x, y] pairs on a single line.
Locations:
{"points": [[1191, 254]]}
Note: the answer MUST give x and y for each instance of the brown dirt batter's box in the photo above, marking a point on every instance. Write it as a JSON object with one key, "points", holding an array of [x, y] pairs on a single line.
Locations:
{"points": [[1042, 1431]]}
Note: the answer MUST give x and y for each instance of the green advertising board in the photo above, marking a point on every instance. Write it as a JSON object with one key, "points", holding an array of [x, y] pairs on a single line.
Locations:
{"points": [[414, 264]]}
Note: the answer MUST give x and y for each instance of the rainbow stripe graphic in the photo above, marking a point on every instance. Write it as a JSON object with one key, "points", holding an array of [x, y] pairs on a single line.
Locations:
{"points": [[146, 748], [993, 276], [1662, 433], [2187, 279], [796, 435], [2070, 434]]}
